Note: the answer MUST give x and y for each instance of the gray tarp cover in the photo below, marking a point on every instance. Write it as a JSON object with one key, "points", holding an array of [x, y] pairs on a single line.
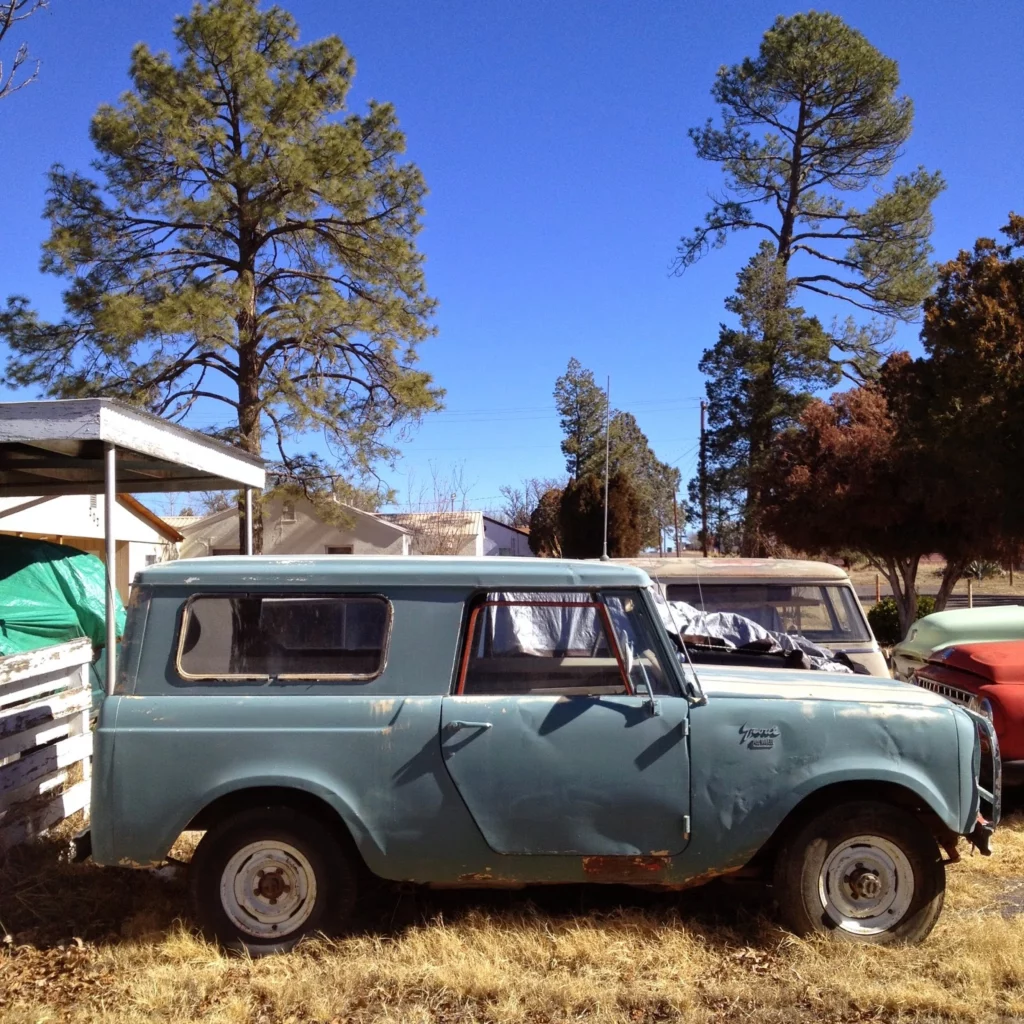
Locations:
{"points": [[736, 631]]}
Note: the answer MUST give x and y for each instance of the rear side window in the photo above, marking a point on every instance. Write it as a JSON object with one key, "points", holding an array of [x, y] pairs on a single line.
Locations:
{"points": [[280, 636]]}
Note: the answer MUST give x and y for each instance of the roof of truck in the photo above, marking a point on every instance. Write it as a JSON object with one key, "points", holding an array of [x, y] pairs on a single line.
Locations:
{"points": [[711, 570], [401, 570]]}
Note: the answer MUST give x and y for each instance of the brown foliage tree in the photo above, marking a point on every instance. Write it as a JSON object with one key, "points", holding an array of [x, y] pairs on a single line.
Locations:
{"points": [[545, 526], [928, 459]]}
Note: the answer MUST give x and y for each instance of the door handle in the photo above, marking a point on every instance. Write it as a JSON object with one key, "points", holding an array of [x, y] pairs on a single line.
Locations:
{"points": [[455, 726]]}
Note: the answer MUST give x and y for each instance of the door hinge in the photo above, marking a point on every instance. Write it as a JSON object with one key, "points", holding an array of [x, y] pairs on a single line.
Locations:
{"points": [[686, 826]]}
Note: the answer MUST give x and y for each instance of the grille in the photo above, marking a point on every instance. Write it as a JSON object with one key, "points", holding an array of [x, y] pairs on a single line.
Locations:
{"points": [[949, 692]]}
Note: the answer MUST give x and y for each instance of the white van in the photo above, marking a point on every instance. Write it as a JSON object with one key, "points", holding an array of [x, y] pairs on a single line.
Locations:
{"points": [[813, 599]]}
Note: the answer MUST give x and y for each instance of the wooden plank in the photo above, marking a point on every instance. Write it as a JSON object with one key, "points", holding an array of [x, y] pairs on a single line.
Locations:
{"points": [[51, 686], [74, 799], [31, 767], [49, 709], [41, 734], [18, 797], [54, 658]]}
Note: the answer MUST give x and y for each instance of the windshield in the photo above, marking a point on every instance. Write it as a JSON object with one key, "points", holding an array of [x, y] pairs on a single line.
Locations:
{"points": [[820, 612]]}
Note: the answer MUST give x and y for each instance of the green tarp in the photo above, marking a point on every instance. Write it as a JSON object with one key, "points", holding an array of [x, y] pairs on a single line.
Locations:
{"points": [[51, 593]]}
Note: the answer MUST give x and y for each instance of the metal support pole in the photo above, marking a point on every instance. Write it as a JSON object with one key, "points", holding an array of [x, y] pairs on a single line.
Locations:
{"points": [[110, 544], [248, 520], [607, 459], [703, 483], [675, 516]]}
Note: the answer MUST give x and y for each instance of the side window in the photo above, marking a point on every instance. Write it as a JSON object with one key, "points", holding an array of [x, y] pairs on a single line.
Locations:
{"points": [[639, 642], [541, 643], [265, 636]]}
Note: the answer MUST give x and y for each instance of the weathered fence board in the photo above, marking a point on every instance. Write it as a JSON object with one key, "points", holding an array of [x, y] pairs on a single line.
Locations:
{"points": [[44, 734]]}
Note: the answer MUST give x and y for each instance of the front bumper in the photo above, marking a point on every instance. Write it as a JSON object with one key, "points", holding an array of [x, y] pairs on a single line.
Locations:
{"points": [[988, 768]]}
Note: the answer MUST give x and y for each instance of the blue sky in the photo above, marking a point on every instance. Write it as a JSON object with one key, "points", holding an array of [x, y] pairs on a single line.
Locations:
{"points": [[553, 139]]}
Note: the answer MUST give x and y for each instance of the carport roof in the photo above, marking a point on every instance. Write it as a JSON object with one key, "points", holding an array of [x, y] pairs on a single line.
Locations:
{"points": [[57, 447]]}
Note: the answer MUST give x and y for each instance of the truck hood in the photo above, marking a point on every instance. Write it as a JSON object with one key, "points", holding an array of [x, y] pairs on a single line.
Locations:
{"points": [[720, 681]]}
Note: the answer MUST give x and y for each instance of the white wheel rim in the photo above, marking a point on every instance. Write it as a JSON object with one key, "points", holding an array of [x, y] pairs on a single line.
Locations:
{"points": [[268, 889], [866, 885]]}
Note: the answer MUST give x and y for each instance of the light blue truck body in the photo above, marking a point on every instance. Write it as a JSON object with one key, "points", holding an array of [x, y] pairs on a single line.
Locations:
{"points": [[436, 787]]}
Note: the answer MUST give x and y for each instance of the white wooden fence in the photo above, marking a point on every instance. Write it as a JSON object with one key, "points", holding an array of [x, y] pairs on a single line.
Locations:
{"points": [[44, 734]]}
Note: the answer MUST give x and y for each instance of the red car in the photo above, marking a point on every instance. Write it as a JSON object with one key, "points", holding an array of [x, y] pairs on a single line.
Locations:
{"points": [[987, 678]]}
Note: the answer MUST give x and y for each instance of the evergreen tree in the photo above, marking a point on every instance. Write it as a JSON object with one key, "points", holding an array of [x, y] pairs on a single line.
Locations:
{"points": [[545, 525], [760, 376], [581, 518], [249, 242], [811, 120], [581, 410]]}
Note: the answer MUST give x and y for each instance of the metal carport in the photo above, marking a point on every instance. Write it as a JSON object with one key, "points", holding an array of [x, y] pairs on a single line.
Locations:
{"points": [[100, 446]]}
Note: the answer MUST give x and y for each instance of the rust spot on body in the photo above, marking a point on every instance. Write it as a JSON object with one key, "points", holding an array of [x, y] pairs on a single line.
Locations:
{"points": [[624, 869]]}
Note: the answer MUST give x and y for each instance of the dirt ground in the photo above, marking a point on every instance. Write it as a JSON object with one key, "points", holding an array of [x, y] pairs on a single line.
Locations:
{"points": [[88, 944]]}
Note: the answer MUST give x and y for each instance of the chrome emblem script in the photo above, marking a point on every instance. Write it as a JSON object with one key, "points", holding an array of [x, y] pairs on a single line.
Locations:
{"points": [[759, 737]]}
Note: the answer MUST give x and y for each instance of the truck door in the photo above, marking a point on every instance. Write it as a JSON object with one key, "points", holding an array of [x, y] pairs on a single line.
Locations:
{"points": [[565, 733]]}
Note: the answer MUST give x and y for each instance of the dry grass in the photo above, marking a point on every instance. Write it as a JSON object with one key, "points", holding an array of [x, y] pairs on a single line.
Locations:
{"points": [[930, 575], [104, 945]]}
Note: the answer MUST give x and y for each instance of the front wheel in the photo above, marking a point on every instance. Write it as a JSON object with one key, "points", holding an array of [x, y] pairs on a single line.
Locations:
{"points": [[865, 871], [264, 878]]}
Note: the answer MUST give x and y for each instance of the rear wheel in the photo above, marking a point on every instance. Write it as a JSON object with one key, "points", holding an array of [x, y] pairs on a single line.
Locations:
{"points": [[864, 872], [264, 878]]}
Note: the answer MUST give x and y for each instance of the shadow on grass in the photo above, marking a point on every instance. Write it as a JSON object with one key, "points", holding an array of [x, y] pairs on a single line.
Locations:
{"points": [[46, 902]]}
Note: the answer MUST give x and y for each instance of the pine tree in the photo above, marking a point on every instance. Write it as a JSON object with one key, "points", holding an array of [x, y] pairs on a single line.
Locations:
{"points": [[581, 410], [811, 120], [249, 242], [760, 377]]}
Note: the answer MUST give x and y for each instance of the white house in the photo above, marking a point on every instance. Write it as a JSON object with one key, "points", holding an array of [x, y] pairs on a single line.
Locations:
{"points": [[77, 520], [292, 526], [502, 539]]}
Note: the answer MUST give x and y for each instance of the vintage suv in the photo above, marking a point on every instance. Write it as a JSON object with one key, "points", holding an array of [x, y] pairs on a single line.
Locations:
{"points": [[504, 722]]}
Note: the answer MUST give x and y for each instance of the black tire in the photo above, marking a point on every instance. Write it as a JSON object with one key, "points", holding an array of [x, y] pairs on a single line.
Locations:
{"points": [[820, 873], [311, 874]]}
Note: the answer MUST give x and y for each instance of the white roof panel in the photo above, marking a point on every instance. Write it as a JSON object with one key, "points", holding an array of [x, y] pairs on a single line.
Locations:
{"points": [[57, 447]]}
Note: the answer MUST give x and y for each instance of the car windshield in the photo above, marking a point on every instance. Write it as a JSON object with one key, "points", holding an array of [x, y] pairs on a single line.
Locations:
{"points": [[820, 612]]}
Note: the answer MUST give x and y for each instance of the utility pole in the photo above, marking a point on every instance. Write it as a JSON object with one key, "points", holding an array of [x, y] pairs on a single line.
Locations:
{"points": [[703, 483], [607, 459], [675, 516]]}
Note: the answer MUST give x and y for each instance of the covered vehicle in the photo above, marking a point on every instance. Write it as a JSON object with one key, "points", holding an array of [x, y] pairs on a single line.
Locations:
{"points": [[52, 593], [987, 678], [932, 633], [814, 601]]}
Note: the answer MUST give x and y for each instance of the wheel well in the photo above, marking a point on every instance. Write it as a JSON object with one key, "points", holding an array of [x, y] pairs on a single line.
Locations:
{"points": [[275, 796], [840, 792]]}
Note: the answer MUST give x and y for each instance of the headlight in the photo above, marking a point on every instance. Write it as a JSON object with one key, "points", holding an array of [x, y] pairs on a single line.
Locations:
{"points": [[981, 706]]}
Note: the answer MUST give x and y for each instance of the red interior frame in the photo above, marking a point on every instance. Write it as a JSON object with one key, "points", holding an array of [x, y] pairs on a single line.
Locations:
{"points": [[613, 640]]}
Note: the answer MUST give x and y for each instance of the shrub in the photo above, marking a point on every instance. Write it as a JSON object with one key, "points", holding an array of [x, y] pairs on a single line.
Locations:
{"points": [[885, 619]]}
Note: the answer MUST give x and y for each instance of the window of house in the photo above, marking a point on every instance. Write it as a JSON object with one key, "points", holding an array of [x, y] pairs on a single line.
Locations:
{"points": [[344, 549], [270, 636], [571, 643], [288, 512]]}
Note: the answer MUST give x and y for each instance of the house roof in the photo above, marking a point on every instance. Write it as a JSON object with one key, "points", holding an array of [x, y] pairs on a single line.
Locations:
{"points": [[158, 524], [398, 570], [57, 447], [182, 522], [192, 524], [525, 531]]}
